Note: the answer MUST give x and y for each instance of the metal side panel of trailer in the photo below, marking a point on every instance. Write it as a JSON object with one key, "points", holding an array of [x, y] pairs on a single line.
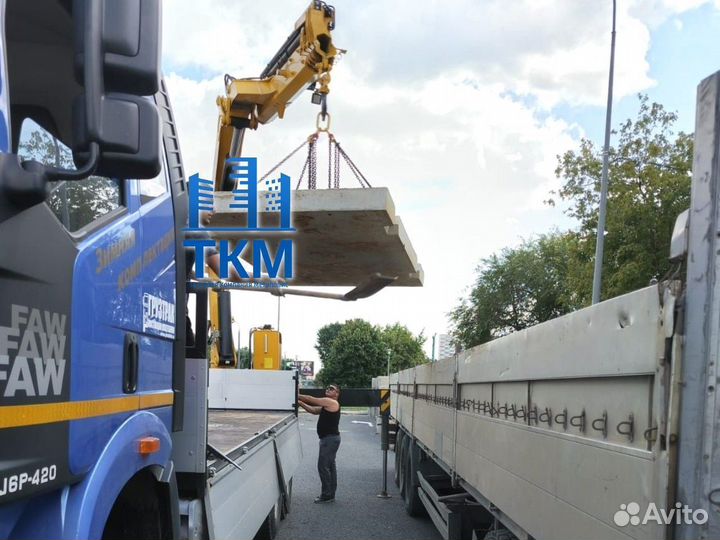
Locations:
{"points": [[559, 424]]}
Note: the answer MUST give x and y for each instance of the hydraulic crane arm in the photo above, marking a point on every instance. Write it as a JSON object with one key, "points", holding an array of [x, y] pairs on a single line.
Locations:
{"points": [[306, 58]]}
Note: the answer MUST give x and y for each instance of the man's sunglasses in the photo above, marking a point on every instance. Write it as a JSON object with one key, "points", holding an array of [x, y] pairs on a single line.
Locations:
{"points": [[331, 388]]}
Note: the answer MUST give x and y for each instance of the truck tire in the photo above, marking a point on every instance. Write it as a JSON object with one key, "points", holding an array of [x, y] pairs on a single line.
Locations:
{"points": [[403, 465], [139, 510], [499, 534], [284, 514], [398, 444], [268, 530], [413, 505]]}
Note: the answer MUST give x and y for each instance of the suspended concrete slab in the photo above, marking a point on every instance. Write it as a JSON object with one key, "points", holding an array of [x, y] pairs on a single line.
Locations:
{"points": [[343, 236]]}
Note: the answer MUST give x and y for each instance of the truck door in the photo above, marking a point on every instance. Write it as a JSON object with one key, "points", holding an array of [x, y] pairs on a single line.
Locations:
{"points": [[72, 272], [158, 288], [67, 301]]}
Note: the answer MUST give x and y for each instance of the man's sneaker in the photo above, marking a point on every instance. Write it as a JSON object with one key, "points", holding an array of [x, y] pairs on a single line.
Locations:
{"points": [[320, 500]]}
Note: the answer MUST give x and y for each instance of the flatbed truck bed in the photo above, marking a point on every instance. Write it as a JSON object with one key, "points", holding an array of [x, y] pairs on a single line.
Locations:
{"points": [[231, 430], [244, 452]]}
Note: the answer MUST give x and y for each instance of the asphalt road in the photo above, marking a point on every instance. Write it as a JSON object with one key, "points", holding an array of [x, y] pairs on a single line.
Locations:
{"points": [[357, 512]]}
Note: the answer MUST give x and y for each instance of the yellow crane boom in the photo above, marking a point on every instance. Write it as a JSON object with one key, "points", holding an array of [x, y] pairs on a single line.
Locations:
{"points": [[306, 58]]}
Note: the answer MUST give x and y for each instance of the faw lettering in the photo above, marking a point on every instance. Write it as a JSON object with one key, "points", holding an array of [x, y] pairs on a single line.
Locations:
{"points": [[32, 353]]}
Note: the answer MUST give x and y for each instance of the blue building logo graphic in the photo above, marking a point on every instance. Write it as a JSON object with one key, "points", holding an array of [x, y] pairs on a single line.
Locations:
{"points": [[200, 193], [277, 200]]}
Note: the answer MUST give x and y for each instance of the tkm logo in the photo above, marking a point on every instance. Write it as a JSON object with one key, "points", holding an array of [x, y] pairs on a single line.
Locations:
{"points": [[245, 197]]}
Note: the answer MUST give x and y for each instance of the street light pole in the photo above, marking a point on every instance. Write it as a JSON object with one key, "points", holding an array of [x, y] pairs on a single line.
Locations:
{"points": [[278, 318], [600, 235]]}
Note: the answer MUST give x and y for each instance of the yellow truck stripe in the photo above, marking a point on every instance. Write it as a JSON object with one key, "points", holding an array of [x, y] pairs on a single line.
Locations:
{"points": [[46, 413]]}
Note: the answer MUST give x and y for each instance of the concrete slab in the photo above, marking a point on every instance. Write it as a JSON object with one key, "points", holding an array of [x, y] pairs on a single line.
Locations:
{"points": [[342, 236]]}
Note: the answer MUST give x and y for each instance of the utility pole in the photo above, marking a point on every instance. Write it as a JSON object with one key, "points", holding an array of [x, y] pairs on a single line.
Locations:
{"points": [[600, 234], [278, 318], [433, 348]]}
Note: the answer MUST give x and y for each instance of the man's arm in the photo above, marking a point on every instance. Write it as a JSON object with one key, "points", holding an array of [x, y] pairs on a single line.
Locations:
{"points": [[310, 408], [326, 403]]}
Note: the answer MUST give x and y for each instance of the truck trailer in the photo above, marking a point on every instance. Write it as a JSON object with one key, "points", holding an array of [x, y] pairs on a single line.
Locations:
{"points": [[602, 423]]}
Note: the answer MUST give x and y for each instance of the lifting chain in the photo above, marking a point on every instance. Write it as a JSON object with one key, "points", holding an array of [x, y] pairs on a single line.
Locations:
{"points": [[291, 154], [336, 161], [330, 155], [312, 162], [335, 152]]}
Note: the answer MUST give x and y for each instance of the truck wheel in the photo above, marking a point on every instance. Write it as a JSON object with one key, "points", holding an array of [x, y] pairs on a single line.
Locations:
{"points": [[499, 534], [139, 511], [268, 530], [284, 514], [413, 505], [403, 465]]}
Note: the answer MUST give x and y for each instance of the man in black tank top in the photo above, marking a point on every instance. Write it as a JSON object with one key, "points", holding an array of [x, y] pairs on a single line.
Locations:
{"points": [[328, 430]]}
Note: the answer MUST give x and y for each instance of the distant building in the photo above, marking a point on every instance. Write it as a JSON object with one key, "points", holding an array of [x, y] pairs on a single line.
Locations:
{"points": [[446, 346]]}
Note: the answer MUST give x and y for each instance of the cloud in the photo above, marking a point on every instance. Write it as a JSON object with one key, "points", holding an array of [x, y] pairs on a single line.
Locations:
{"points": [[552, 50], [459, 175], [556, 51], [448, 104], [655, 12]]}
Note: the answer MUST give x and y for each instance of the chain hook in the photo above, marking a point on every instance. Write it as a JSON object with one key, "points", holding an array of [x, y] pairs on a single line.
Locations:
{"points": [[319, 124], [323, 106]]}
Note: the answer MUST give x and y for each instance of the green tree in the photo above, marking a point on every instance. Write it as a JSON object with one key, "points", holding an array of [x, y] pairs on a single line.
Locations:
{"points": [[356, 355], [649, 185], [355, 351], [520, 287], [243, 357], [325, 337], [74, 203], [404, 348]]}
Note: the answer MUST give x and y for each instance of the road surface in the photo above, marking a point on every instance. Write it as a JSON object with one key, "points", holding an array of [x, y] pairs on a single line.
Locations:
{"points": [[357, 512]]}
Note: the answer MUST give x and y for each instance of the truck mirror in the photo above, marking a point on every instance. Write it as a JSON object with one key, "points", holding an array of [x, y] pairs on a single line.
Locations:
{"points": [[116, 132], [129, 136], [117, 54], [130, 41]]}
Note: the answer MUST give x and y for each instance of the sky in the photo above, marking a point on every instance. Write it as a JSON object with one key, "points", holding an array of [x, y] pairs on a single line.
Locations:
{"points": [[460, 108]]}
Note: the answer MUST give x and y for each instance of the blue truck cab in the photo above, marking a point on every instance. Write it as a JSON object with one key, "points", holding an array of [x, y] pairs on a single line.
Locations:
{"points": [[91, 192], [105, 426]]}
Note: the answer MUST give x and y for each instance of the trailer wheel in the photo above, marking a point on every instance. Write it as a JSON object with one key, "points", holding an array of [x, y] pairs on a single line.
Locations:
{"points": [[402, 469], [398, 444], [413, 505]]}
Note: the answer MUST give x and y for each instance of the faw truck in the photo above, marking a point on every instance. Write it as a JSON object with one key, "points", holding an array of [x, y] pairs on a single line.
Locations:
{"points": [[599, 424], [111, 423]]}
